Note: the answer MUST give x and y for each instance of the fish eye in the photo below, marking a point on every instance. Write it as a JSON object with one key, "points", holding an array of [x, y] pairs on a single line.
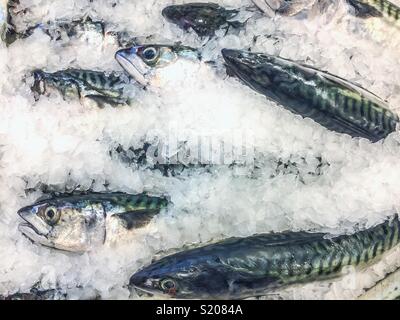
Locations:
{"points": [[51, 215], [168, 285], [150, 54]]}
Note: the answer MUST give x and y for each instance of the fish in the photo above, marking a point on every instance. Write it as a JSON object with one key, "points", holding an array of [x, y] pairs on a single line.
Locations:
{"points": [[142, 62], [102, 88], [85, 29], [329, 100], [203, 18], [81, 222], [237, 268], [152, 156]]}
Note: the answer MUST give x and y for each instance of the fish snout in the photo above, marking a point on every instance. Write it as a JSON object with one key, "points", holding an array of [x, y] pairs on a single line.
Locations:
{"points": [[130, 61], [171, 13], [230, 54]]}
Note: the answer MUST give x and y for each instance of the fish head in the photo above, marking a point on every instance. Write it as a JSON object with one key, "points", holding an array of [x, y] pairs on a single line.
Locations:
{"points": [[181, 278], [39, 83], [63, 225], [145, 62], [203, 18], [262, 72]]}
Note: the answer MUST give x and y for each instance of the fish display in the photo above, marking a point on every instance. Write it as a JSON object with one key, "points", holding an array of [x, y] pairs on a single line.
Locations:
{"points": [[284, 169], [203, 18], [102, 88], [81, 222], [243, 267], [333, 102], [142, 62]]}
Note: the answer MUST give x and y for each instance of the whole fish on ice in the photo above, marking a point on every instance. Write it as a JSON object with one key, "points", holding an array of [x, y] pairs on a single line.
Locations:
{"points": [[102, 88], [203, 18], [80, 222], [245, 267], [333, 102], [84, 29]]}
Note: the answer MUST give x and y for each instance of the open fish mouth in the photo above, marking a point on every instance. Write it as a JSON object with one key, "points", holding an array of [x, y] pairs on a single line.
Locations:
{"points": [[131, 63], [29, 230], [239, 64]]}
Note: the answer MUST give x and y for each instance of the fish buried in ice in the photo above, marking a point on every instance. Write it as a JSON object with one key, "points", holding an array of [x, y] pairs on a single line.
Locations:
{"points": [[143, 62], [202, 18], [245, 267], [80, 222], [100, 87], [376, 8], [333, 102]]}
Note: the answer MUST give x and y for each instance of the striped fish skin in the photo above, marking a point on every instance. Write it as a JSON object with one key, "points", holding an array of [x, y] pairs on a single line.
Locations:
{"points": [[101, 87], [376, 8], [333, 102], [245, 267], [78, 222]]}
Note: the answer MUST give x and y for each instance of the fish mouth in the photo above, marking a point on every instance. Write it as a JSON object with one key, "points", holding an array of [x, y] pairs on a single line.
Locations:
{"points": [[238, 63], [132, 63], [30, 229], [170, 12]]}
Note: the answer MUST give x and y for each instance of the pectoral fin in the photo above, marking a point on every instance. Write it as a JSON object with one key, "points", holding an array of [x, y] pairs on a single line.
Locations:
{"points": [[363, 10], [137, 218]]}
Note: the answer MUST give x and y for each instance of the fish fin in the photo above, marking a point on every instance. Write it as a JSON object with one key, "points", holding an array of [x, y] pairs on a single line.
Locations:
{"points": [[363, 10], [101, 101], [286, 238], [137, 218], [236, 24], [346, 84]]}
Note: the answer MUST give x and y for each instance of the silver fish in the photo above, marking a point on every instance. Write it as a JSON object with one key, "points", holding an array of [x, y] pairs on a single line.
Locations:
{"points": [[79, 223], [101, 87]]}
